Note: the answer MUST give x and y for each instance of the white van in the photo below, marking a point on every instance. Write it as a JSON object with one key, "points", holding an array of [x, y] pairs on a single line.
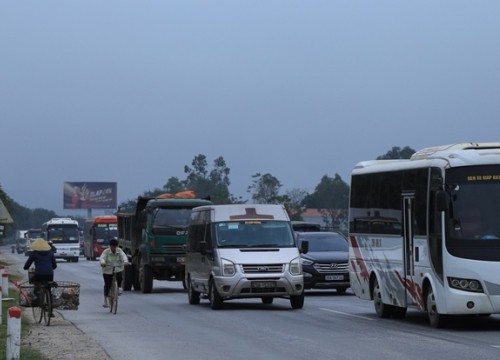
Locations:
{"points": [[243, 251]]}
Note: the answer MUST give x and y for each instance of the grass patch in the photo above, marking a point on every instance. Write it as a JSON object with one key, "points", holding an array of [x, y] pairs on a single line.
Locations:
{"points": [[26, 353]]}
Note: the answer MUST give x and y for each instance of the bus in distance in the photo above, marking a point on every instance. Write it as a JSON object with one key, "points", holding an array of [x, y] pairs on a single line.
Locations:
{"points": [[424, 232], [97, 233], [64, 233]]}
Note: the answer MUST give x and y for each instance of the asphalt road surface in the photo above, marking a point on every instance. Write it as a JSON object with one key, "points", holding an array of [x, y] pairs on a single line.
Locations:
{"points": [[163, 325]]}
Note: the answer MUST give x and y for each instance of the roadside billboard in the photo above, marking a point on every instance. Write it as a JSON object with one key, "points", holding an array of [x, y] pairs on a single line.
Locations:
{"points": [[90, 195]]}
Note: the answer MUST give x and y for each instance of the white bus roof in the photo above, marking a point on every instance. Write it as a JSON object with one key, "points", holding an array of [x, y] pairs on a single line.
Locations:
{"points": [[445, 156]]}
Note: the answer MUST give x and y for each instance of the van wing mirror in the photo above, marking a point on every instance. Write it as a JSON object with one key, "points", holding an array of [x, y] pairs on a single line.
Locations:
{"points": [[304, 247]]}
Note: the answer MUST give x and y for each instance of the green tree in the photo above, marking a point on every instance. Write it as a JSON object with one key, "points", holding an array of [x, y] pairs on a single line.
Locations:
{"points": [[214, 183], [294, 203], [174, 185], [397, 153], [331, 196], [265, 189]]}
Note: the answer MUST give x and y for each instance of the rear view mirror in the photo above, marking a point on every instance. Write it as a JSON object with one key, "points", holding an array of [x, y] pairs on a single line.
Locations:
{"points": [[304, 247]]}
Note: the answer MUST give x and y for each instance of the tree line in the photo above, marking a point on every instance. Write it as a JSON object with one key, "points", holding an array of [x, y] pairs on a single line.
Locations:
{"points": [[331, 195]]}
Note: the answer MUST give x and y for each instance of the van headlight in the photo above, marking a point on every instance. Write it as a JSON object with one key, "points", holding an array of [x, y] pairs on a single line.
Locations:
{"points": [[228, 268], [294, 267]]}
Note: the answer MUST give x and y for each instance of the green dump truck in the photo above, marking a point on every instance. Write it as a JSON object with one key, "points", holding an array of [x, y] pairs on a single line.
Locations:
{"points": [[153, 235]]}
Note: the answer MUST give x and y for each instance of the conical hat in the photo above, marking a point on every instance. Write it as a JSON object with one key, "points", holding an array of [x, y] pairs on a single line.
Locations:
{"points": [[40, 245]]}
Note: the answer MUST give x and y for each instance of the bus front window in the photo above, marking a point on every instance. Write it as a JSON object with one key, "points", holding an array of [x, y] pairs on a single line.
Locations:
{"points": [[473, 229]]}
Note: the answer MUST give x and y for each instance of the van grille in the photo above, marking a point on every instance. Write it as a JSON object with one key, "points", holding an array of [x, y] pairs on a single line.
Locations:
{"points": [[262, 268]]}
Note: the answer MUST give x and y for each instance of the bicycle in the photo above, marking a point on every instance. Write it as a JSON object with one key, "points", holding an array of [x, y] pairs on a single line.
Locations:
{"points": [[113, 294], [43, 309]]}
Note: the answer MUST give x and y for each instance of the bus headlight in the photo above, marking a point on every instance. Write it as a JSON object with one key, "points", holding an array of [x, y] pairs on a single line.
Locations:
{"points": [[294, 267], [465, 284]]}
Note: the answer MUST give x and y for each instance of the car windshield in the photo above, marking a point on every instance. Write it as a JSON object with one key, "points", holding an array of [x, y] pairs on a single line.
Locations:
{"points": [[254, 233], [324, 241]]}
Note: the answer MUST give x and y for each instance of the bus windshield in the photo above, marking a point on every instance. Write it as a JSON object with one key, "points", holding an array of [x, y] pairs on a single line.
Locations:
{"points": [[105, 232], [254, 233], [473, 229], [63, 234]]}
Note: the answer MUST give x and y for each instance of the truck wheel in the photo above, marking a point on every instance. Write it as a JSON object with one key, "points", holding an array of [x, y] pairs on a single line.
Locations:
{"points": [[128, 277], [297, 301], [215, 299], [145, 278]]}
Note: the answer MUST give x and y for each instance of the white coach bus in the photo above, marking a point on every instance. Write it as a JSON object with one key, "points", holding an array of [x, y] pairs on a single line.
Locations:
{"points": [[425, 232], [64, 233]]}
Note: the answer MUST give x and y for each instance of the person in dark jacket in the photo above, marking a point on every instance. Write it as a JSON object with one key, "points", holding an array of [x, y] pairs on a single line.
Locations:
{"points": [[43, 258]]}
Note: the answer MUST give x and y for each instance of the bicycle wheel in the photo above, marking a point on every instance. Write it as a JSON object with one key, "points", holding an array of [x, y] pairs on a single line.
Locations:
{"points": [[47, 309], [113, 297], [45, 305], [37, 307]]}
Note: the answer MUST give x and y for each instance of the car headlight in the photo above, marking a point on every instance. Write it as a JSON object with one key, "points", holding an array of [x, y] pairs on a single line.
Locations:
{"points": [[295, 268], [228, 268]]}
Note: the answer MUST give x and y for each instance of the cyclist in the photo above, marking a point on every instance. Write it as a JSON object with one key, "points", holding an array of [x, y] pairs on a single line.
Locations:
{"points": [[112, 256], [45, 263]]}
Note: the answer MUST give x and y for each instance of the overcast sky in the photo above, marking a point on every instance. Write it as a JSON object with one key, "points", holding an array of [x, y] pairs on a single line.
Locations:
{"points": [[131, 91]]}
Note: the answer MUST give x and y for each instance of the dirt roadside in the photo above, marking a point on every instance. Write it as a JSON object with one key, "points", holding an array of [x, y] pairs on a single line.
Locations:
{"points": [[62, 339]]}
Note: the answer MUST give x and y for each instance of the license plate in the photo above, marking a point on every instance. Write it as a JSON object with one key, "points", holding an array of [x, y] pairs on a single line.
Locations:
{"points": [[264, 284], [334, 277], [181, 260]]}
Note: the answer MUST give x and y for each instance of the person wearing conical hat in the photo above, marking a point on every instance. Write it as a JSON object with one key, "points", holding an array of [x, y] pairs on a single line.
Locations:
{"points": [[43, 258]]}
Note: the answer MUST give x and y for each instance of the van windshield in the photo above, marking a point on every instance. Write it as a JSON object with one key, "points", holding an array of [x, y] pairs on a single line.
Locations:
{"points": [[254, 233]]}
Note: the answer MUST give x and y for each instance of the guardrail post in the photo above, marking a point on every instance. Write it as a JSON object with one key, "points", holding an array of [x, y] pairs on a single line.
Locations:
{"points": [[5, 284], [14, 333]]}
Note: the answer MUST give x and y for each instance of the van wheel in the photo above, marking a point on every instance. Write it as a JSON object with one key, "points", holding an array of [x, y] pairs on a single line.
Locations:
{"points": [[267, 300], [382, 310], [193, 295], [297, 301], [215, 299]]}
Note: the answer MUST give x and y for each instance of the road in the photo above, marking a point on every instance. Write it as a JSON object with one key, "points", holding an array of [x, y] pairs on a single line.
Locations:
{"points": [[162, 325]]}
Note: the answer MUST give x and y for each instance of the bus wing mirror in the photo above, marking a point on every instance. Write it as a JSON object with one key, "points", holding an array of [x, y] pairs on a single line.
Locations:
{"points": [[441, 200]]}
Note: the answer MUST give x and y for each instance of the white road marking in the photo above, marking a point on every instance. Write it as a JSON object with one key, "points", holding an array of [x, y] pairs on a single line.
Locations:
{"points": [[347, 314]]}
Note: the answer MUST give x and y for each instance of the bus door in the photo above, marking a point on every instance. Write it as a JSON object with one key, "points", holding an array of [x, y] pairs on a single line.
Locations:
{"points": [[410, 253]]}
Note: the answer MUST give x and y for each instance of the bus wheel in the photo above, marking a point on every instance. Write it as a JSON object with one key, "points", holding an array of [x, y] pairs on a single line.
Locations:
{"points": [[436, 319], [382, 310]]}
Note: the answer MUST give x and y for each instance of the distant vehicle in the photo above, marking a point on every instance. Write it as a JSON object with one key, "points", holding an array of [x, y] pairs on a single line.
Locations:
{"points": [[65, 236], [305, 226], [325, 265], [31, 235], [21, 245], [96, 235]]}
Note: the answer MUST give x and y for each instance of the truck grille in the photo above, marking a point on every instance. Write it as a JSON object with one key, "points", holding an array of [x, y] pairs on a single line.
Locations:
{"points": [[332, 268], [262, 268], [174, 249]]}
